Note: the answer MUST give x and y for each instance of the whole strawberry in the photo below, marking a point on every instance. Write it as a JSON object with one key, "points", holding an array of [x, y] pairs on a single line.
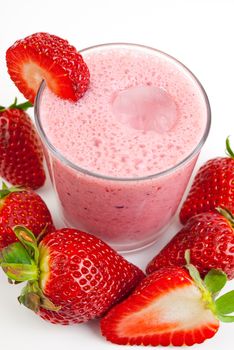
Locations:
{"points": [[21, 155], [170, 307], [25, 207], [210, 238], [72, 276], [212, 187], [42, 56]]}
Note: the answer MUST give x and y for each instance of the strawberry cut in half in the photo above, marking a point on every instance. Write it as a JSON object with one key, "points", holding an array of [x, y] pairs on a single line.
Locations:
{"points": [[173, 306], [45, 56]]}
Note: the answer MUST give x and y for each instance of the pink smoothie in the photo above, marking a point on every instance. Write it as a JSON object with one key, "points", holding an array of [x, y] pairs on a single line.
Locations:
{"points": [[143, 114]]}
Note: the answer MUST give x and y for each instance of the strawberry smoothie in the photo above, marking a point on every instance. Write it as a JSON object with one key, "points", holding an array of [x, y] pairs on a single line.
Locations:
{"points": [[121, 157]]}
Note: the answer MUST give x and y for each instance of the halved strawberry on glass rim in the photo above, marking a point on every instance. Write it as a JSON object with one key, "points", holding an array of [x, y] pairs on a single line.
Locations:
{"points": [[45, 56]]}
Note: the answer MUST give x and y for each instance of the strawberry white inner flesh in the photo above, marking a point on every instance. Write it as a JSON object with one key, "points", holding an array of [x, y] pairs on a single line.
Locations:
{"points": [[33, 74], [43, 266], [180, 309]]}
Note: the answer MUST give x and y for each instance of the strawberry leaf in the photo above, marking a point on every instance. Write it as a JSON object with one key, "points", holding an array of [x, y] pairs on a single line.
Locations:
{"points": [[225, 303], [227, 214], [27, 238], [4, 193], [193, 271], [225, 318], [17, 263], [20, 272], [4, 186], [215, 280], [33, 298], [15, 253], [24, 106], [7, 190]]}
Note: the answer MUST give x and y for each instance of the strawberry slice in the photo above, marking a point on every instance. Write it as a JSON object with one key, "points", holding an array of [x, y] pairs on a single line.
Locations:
{"points": [[169, 307], [45, 56]]}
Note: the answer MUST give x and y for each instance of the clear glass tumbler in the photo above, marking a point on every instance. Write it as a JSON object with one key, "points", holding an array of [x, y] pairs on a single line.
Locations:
{"points": [[127, 213]]}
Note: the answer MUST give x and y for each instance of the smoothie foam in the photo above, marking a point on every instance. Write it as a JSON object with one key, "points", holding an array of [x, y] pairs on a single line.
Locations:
{"points": [[139, 117]]}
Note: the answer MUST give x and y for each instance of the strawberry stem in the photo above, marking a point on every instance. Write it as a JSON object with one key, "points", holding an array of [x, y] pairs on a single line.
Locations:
{"points": [[229, 150]]}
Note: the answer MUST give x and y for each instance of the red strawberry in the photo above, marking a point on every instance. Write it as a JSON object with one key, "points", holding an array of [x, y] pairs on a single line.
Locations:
{"points": [[71, 269], [212, 187], [19, 206], [170, 308], [45, 56], [210, 238], [21, 155]]}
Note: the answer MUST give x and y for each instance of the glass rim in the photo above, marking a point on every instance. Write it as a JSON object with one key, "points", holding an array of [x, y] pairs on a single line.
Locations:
{"points": [[175, 167]]}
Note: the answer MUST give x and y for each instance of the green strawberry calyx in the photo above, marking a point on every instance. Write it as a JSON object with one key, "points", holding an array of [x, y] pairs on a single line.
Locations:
{"points": [[5, 191], [8, 190], [229, 150], [227, 214], [20, 262], [210, 287], [22, 106]]}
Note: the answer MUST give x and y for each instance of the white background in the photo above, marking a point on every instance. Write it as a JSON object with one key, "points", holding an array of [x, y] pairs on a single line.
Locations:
{"points": [[199, 33]]}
